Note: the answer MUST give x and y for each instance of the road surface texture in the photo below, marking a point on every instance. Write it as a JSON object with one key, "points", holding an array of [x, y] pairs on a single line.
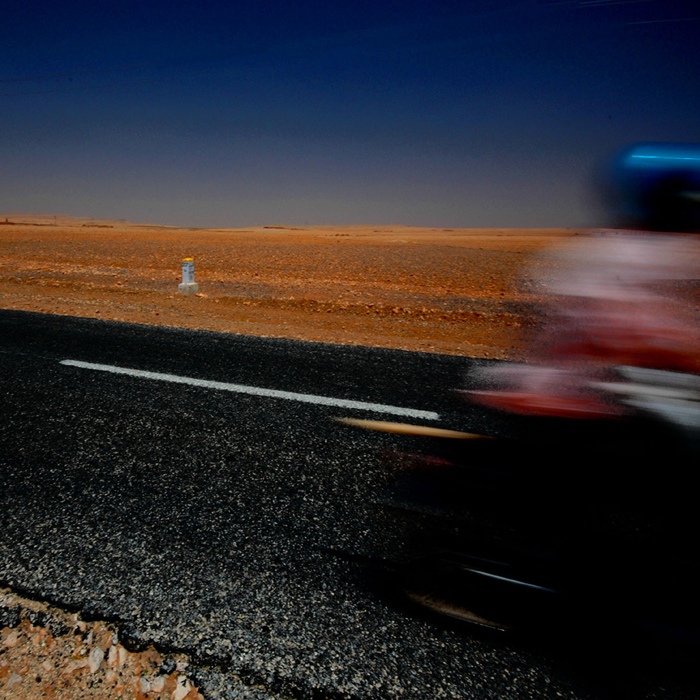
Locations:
{"points": [[236, 527]]}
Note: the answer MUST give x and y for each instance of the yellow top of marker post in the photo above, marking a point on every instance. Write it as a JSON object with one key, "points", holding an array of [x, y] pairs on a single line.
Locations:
{"points": [[188, 260]]}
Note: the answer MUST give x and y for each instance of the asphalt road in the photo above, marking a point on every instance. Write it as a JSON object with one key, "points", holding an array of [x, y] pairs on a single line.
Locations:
{"points": [[237, 527]]}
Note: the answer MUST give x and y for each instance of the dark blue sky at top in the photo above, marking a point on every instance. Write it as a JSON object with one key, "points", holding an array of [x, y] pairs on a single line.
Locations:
{"points": [[483, 113]]}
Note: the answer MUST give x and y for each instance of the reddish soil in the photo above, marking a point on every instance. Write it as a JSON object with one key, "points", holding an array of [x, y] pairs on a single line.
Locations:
{"points": [[455, 291], [50, 653]]}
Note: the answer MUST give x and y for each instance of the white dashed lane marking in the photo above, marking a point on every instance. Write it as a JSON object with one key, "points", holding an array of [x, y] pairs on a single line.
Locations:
{"points": [[258, 391]]}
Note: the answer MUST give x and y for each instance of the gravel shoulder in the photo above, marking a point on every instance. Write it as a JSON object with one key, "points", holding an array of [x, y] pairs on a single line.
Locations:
{"points": [[49, 652]]}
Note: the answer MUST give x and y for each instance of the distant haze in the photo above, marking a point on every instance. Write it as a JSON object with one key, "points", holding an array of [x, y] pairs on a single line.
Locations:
{"points": [[229, 114]]}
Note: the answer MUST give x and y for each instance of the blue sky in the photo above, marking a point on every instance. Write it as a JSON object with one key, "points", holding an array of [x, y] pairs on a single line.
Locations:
{"points": [[472, 113]]}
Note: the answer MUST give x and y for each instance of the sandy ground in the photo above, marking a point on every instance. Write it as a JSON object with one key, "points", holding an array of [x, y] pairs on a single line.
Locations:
{"points": [[453, 291], [439, 290]]}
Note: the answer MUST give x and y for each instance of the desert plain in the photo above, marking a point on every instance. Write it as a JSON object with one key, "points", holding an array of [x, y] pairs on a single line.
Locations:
{"points": [[457, 291]]}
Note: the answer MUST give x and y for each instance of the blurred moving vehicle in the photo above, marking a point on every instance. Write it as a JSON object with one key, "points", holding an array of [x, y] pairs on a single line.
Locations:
{"points": [[586, 513]]}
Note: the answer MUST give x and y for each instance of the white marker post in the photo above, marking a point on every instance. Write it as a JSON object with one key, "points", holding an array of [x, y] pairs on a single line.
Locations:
{"points": [[188, 286]]}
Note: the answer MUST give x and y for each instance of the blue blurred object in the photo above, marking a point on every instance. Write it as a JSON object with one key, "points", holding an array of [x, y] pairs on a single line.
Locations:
{"points": [[657, 186]]}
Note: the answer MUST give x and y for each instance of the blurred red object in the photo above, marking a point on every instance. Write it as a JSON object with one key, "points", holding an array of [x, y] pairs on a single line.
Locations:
{"points": [[614, 302]]}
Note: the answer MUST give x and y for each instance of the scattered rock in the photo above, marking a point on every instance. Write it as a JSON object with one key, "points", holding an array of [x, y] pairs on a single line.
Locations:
{"points": [[13, 679], [11, 639], [37, 663], [183, 688], [95, 659]]}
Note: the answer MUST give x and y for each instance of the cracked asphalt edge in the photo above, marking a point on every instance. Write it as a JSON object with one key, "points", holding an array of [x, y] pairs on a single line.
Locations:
{"points": [[42, 644]]}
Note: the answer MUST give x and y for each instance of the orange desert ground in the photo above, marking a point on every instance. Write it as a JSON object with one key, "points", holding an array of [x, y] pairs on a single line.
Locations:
{"points": [[456, 291]]}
